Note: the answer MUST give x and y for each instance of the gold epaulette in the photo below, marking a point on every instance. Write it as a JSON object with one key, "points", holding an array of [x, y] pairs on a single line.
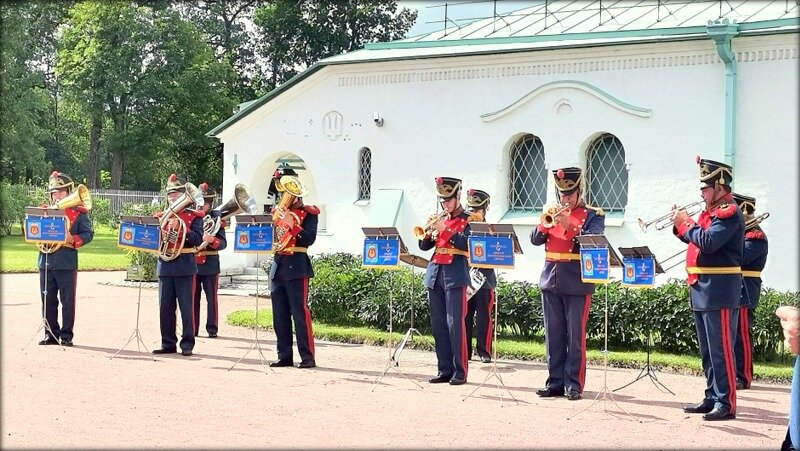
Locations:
{"points": [[598, 211]]}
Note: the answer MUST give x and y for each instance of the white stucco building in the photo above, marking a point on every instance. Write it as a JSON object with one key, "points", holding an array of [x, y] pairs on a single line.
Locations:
{"points": [[631, 92]]}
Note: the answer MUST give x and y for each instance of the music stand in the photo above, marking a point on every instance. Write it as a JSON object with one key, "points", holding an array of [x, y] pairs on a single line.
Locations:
{"points": [[496, 244], [590, 243], [254, 235], [644, 253], [414, 261], [135, 221], [382, 249], [44, 213]]}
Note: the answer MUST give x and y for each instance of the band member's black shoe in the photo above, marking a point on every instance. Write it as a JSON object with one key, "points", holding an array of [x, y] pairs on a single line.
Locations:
{"points": [[165, 351], [549, 393], [573, 395], [66, 343], [186, 352], [280, 363], [212, 335], [457, 381], [486, 359], [741, 386], [307, 364], [439, 379], [703, 407], [48, 341], [719, 414]]}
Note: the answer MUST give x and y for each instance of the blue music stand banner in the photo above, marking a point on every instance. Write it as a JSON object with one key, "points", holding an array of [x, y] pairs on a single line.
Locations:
{"points": [[140, 237], [46, 229], [253, 238], [491, 251], [594, 265], [639, 272], [381, 253]]}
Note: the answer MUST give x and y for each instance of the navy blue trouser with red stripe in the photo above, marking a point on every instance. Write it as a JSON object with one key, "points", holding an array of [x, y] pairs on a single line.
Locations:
{"points": [[479, 319], [743, 349], [290, 302], [565, 339], [59, 284], [176, 292], [448, 309], [716, 333], [208, 283]]}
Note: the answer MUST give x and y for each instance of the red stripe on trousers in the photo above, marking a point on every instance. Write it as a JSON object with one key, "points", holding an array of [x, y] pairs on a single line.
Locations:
{"points": [[744, 333], [730, 364], [74, 299], [216, 304], [463, 351], [587, 302], [307, 312], [194, 288], [488, 338]]}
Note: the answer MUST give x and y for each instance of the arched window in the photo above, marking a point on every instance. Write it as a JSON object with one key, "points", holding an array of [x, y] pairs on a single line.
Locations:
{"points": [[607, 175], [528, 184], [364, 173]]}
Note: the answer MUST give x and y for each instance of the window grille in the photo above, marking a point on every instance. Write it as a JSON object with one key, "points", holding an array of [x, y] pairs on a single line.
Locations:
{"points": [[364, 173], [607, 175], [528, 184]]}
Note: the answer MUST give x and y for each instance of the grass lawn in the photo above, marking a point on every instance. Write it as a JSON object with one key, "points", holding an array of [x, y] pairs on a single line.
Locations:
{"points": [[520, 349], [101, 254]]}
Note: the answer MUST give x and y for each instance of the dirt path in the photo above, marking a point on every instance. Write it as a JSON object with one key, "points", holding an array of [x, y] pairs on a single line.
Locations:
{"points": [[79, 397]]}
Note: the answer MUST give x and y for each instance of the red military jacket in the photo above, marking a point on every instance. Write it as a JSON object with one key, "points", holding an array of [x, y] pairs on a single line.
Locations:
{"points": [[443, 240]]}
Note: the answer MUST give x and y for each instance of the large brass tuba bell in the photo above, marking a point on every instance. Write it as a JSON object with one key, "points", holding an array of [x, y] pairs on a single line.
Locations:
{"points": [[81, 197], [284, 220], [170, 247], [242, 200]]}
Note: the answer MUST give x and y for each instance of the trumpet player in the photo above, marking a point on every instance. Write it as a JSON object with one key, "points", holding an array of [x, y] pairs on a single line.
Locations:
{"points": [[480, 305], [58, 270], [446, 279], [713, 265], [754, 258], [565, 298], [176, 276], [207, 260]]}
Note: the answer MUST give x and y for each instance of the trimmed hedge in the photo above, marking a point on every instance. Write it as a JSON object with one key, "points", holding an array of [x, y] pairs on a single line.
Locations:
{"points": [[343, 293]]}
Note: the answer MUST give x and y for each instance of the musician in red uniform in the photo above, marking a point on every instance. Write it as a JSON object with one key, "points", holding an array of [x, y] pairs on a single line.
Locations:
{"points": [[481, 304], [289, 276], [176, 276], [207, 260], [61, 266], [446, 279], [713, 265]]}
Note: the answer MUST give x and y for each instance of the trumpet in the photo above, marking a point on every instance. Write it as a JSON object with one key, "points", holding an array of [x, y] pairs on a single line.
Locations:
{"points": [[752, 222], [420, 232], [81, 196], [548, 218], [662, 222], [170, 248], [242, 201]]}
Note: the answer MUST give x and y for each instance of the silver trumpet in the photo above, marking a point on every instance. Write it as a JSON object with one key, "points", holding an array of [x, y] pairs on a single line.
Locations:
{"points": [[662, 222]]}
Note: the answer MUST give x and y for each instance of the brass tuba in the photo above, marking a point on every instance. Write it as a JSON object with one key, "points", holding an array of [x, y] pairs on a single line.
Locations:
{"points": [[170, 248], [81, 197], [284, 220], [242, 200]]}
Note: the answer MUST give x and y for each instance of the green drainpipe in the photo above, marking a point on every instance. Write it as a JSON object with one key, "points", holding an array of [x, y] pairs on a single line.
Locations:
{"points": [[722, 32]]}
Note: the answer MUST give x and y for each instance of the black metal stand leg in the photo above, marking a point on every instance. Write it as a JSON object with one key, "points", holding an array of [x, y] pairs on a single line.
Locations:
{"points": [[45, 324], [139, 341], [394, 355], [255, 343]]}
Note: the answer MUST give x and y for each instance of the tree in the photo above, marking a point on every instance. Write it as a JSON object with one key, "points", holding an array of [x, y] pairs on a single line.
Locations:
{"points": [[296, 34], [148, 83]]}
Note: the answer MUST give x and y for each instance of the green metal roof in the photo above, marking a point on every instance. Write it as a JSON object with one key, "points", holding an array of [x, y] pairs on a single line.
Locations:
{"points": [[563, 25]]}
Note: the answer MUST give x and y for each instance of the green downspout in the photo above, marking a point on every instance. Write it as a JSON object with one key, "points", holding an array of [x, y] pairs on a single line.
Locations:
{"points": [[722, 32]]}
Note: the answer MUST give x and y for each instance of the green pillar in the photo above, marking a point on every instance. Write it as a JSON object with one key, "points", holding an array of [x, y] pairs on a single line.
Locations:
{"points": [[722, 32]]}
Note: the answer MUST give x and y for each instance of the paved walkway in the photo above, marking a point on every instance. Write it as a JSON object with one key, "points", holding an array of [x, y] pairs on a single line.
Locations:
{"points": [[78, 397]]}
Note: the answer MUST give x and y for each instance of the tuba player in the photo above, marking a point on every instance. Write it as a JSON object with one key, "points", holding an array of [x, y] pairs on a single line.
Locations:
{"points": [[62, 265]]}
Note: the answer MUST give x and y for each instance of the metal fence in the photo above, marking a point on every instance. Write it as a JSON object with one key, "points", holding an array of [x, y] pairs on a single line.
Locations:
{"points": [[118, 198]]}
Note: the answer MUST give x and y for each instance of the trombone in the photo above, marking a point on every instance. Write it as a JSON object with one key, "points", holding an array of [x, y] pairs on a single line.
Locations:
{"points": [[662, 222]]}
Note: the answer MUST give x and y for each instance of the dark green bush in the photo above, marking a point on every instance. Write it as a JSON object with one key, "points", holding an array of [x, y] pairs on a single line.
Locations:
{"points": [[344, 293], [13, 200], [101, 212]]}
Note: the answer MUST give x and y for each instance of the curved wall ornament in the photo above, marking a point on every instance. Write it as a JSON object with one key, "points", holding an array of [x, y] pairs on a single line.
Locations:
{"points": [[570, 84]]}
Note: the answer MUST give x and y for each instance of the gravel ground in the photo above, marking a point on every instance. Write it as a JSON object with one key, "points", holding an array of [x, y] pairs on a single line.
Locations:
{"points": [[225, 397]]}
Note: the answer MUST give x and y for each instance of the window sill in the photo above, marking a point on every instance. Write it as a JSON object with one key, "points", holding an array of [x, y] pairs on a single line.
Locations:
{"points": [[533, 218], [361, 202], [324, 233]]}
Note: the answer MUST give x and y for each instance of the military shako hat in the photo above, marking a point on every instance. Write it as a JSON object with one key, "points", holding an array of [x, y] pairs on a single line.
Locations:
{"points": [[209, 193], [59, 181], [568, 180], [447, 187], [714, 173], [478, 199], [176, 183], [746, 203]]}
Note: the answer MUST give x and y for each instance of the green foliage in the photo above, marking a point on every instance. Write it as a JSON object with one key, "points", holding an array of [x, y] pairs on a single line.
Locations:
{"points": [[343, 293], [101, 212], [13, 200]]}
